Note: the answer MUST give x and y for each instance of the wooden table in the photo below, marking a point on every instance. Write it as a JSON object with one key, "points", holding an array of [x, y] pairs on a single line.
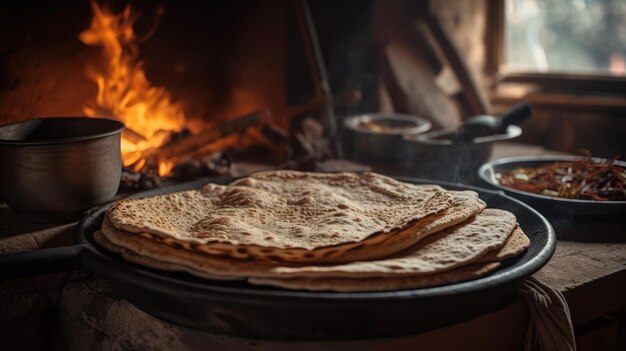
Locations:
{"points": [[79, 311]]}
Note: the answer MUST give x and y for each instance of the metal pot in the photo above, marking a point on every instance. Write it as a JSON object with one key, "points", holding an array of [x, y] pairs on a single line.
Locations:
{"points": [[436, 155], [54, 168], [383, 145]]}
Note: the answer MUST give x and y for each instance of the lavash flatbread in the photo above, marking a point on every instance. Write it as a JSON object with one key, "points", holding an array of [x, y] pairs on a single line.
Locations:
{"points": [[270, 227], [332, 284], [380, 284], [282, 209], [166, 254], [514, 245], [133, 257], [464, 204], [517, 243], [442, 251], [456, 246], [288, 216], [318, 284]]}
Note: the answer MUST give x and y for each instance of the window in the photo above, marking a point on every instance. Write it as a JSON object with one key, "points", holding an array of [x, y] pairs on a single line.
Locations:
{"points": [[565, 36], [558, 45]]}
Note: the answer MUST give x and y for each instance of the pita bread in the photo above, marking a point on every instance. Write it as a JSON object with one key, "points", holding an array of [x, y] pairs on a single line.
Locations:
{"points": [[288, 216]]}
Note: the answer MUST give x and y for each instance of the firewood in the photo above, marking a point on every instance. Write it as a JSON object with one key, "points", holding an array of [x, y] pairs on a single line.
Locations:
{"points": [[179, 147], [211, 134]]}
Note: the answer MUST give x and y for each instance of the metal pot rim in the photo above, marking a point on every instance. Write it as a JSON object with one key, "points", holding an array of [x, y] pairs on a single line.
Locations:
{"points": [[422, 124], [429, 138], [110, 127]]}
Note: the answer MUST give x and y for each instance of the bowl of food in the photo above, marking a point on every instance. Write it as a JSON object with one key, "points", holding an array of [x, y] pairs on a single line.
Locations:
{"points": [[441, 155], [55, 168], [578, 185], [378, 138]]}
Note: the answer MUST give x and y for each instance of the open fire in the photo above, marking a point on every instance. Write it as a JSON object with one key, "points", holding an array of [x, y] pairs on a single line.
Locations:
{"points": [[124, 91], [159, 137], [254, 97]]}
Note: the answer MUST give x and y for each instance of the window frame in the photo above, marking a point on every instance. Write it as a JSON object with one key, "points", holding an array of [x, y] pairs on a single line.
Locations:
{"points": [[497, 74]]}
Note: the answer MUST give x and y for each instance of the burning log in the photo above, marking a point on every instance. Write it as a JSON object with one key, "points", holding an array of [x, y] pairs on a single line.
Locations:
{"points": [[213, 133], [132, 136], [178, 148]]}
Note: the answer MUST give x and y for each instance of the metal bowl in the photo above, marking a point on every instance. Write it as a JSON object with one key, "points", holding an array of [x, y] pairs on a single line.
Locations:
{"points": [[55, 168], [435, 155], [384, 145], [548, 204]]}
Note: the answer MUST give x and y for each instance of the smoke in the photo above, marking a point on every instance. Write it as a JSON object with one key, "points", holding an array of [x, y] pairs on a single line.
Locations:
{"points": [[436, 156]]}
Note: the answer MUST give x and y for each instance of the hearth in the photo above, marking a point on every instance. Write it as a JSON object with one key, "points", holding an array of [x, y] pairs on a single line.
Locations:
{"points": [[203, 89]]}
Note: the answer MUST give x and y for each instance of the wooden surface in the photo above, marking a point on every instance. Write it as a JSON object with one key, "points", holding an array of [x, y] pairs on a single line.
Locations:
{"points": [[591, 275]]}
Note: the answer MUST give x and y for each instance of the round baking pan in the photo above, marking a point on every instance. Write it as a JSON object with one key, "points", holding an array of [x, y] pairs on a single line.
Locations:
{"points": [[241, 309]]}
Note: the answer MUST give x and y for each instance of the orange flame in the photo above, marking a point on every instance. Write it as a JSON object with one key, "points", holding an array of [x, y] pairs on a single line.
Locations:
{"points": [[125, 93]]}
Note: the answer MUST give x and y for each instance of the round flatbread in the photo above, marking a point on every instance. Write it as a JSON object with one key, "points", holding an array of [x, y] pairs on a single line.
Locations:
{"points": [[288, 215], [517, 243], [457, 275], [464, 204], [443, 251], [317, 284]]}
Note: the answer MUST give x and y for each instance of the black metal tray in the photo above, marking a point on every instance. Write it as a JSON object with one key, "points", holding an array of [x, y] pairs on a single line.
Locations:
{"points": [[237, 308]]}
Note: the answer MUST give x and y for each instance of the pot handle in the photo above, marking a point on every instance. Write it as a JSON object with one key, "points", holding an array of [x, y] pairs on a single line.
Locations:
{"points": [[44, 261]]}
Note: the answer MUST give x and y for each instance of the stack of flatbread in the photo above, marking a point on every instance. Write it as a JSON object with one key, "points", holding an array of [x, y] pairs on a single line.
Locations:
{"points": [[316, 231]]}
